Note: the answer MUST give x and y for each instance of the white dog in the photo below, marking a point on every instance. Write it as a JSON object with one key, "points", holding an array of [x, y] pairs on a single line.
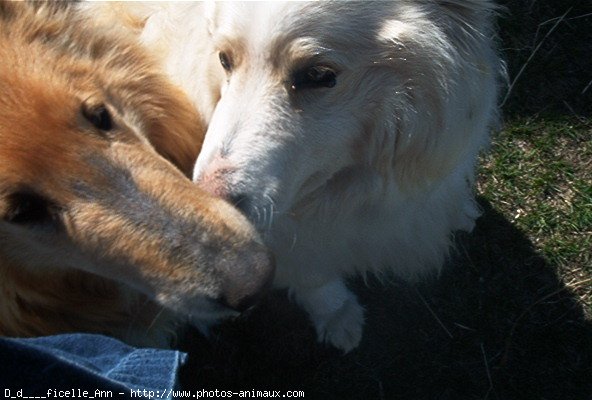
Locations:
{"points": [[347, 131]]}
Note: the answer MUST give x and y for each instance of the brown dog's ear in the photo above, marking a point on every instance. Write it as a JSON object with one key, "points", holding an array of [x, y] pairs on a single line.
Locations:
{"points": [[161, 111], [169, 121], [128, 16]]}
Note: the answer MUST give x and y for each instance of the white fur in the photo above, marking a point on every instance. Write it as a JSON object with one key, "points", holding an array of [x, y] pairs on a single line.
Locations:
{"points": [[374, 174], [177, 32]]}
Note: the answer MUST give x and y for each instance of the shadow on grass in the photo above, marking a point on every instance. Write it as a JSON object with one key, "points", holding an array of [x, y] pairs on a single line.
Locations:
{"points": [[497, 324]]}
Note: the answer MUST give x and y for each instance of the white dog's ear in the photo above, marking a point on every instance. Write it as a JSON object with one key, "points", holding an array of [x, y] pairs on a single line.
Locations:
{"points": [[210, 12], [464, 6], [416, 69], [475, 14], [442, 83]]}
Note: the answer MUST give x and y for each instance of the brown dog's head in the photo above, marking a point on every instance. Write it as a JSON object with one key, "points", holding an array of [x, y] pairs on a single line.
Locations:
{"points": [[82, 184]]}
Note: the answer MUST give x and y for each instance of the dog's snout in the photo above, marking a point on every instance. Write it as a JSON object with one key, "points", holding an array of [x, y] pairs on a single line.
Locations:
{"points": [[246, 277], [217, 180]]}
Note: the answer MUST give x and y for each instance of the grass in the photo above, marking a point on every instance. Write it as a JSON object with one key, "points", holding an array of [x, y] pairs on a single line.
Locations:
{"points": [[510, 316], [539, 175]]}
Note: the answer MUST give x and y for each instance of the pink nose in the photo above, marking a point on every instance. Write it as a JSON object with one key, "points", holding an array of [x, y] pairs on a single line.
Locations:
{"points": [[215, 178]]}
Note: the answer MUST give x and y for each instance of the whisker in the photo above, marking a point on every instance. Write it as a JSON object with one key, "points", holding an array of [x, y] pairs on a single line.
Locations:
{"points": [[294, 240], [258, 214], [271, 211]]}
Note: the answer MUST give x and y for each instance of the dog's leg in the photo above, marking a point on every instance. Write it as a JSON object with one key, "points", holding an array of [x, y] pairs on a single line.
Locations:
{"points": [[335, 312]]}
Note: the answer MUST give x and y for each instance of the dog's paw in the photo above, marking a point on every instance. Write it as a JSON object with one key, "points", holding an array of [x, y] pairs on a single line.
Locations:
{"points": [[343, 328], [336, 314]]}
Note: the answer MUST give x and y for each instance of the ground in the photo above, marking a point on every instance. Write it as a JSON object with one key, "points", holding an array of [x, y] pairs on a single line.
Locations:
{"points": [[510, 316]]}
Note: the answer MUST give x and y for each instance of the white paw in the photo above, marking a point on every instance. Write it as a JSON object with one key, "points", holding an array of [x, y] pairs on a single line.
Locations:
{"points": [[335, 312], [343, 328]]}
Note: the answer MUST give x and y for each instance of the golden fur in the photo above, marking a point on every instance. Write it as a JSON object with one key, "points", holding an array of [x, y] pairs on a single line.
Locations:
{"points": [[97, 231]]}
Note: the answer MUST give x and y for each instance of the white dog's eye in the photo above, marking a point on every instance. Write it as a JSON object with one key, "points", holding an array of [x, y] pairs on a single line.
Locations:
{"points": [[317, 76], [225, 61]]}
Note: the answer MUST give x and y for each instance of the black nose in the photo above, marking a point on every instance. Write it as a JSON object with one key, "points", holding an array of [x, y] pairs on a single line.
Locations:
{"points": [[247, 277]]}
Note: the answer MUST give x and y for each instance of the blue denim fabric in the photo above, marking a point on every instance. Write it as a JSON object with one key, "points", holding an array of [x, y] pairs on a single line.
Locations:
{"points": [[78, 362]]}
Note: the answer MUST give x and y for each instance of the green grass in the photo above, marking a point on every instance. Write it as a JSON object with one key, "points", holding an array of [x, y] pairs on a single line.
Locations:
{"points": [[510, 316], [539, 175]]}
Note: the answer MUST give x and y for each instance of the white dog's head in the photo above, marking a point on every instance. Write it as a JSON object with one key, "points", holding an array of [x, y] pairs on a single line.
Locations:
{"points": [[324, 100]]}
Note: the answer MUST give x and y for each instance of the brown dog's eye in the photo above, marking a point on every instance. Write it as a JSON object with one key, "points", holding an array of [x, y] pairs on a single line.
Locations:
{"points": [[318, 76], [225, 61], [27, 208], [98, 116]]}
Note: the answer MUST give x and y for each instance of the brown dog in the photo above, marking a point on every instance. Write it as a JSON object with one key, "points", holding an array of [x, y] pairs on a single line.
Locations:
{"points": [[98, 230]]}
